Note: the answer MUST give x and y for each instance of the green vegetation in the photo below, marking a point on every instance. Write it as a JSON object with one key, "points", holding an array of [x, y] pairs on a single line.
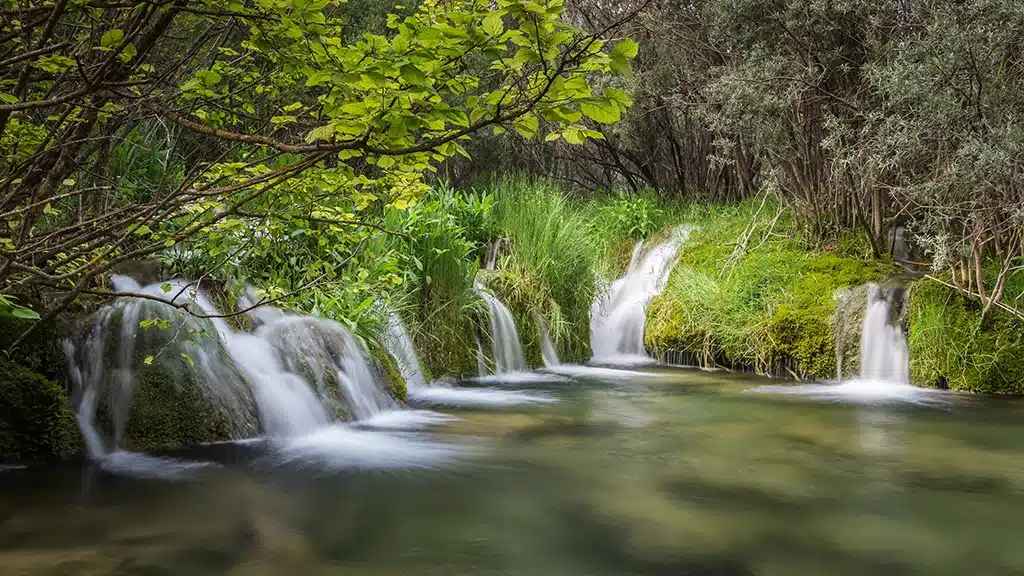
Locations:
{"points": [[747, 293], [35, 421], [953, 345]]}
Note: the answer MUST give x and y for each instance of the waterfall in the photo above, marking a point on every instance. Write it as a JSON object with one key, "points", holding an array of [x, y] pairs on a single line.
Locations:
{"points": [[400, 346], [884, 356], [547, 349], [481, 358], [618, 316], [507, 349], [293, 375], [441, 393]]}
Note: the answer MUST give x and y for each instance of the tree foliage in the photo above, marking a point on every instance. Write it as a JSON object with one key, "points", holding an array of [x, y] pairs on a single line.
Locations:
{"points": [[269, 130], [855, 114]]}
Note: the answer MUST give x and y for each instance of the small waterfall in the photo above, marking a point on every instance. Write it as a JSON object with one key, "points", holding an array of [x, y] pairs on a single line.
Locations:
{"points": [[493, 251], [884, 356], [481, 358], [294, 374], [507, 349], [400, 346], [547, 349], [618, 317]]}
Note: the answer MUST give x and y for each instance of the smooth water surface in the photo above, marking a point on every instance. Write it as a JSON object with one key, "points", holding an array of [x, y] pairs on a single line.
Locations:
{"points": [[686, 473]]}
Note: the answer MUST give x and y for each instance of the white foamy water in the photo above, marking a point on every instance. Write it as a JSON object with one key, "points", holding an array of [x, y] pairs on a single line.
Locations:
{"points": [[520, 378], [399, 344], [405, 420], [342, 447], [507, 350], [581, 371], [283, 379], [547, 348], [139, 465], [478, 397], [618, 316]]}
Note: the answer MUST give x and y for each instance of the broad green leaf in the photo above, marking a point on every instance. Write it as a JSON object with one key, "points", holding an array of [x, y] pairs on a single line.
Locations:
{"points": [[112, 38], [412, 75], [493, 25], [527, 126], [626, 47], [601, 110]]}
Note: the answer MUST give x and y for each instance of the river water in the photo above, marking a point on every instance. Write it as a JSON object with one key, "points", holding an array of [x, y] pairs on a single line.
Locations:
{"points": [[670, 472]]}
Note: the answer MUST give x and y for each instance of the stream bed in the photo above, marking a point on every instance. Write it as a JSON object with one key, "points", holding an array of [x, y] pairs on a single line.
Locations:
{"points": [[663, 471]]}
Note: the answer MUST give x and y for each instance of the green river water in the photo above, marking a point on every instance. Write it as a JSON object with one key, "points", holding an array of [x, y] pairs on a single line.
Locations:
{"points": [[677, 472]]}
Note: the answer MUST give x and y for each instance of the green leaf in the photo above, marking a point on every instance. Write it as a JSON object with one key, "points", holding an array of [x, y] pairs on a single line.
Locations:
{"points": [[111, 38], [24, 313], [626, 47], [128, 52], [165, 287], [493, 25], [527, 126], [148, 360], [143, 230], [574, 135], [621, 65], [188, 359], [412, 75], [601, 110]]}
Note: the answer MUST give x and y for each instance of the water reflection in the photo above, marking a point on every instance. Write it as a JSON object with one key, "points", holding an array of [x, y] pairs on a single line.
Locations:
{"points": [[683, 474]]}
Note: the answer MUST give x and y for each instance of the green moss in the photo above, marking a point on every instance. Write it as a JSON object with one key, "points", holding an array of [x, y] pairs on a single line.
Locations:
{"points": [[35, 421], [952, 345], [169, 406], [388, 368], [168, 412], [769, 308]]}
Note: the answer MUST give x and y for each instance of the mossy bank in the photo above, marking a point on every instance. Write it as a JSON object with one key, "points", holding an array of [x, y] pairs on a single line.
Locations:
{"points": [[747, 293]]}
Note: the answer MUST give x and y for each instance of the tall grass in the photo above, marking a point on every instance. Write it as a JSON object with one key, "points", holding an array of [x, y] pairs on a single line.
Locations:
{"points": [[951, 344], [550, 253]]}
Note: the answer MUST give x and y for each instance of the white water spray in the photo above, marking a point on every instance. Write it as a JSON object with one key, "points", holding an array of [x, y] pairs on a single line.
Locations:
{"points": [[399, 345], [286, 376], [618, 317], [884, 355], [507, 349], [547, 349]]}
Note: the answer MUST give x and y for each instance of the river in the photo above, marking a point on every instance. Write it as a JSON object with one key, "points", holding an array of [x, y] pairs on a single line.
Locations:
{"points": [[670, 472]]}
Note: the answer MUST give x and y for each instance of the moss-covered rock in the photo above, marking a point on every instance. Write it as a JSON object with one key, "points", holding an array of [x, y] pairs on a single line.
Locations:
{"points": [[170, 412], [35, 420], [174, 375], [952, 346], [388, 370]]}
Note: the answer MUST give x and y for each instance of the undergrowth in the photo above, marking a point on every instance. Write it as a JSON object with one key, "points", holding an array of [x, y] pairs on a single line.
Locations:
{"points": [[746, 292], [952, 345]]}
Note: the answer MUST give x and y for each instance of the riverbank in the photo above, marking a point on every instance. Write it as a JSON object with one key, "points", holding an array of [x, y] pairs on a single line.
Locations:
{"points": [[747, 292]]}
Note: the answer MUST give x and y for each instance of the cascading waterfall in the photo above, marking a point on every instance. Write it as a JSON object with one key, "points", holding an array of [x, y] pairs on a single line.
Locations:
{"points": [[884, 355], [507, 349], [398, 343], [618, 316], [401, 348], [547, 348], [293, 375]]}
